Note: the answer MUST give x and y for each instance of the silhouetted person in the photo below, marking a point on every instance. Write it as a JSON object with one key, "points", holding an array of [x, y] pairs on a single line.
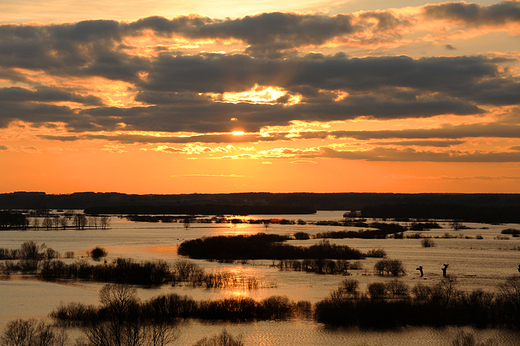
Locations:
{"points": [[421, 271], [444, 270]]}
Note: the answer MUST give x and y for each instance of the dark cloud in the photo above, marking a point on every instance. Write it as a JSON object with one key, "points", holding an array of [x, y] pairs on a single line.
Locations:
{"points": [[474, 14], [38, 114], [216, 116], [264, 33], [174, 88], [425, 143], [87, 48], [445, 132], [449, 47], [220, 73], [3, 147], [46, 94], [411, 155]]}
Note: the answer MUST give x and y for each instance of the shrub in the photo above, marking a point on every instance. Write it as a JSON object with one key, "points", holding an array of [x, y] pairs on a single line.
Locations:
{"points": [[97, 252], [69, 254], [31, 333], [397, 288], [377, 290], [31, 251], [377, 253], [468, 339], [222, 339], [301, 236], [422, 292], [186, 270], [426, 242], [350, 286], [275, 308], [511, 231], [389, 267]]}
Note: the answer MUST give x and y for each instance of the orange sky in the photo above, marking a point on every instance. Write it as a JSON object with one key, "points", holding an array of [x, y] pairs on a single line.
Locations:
{"points": [[231, 97]]}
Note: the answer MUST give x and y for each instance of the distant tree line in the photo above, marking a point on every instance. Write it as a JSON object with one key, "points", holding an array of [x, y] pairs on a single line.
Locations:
{"points": [[16, 220], [200, 209], [486, 212], [12, 220]]}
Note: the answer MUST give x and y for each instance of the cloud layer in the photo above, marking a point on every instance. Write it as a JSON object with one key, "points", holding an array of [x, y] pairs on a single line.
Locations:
{"points": [[107, 80]]}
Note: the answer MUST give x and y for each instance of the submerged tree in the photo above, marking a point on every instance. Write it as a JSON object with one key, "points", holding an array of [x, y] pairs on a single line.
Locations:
{"points": [[123, 324], [31, 333], [222, 339]]}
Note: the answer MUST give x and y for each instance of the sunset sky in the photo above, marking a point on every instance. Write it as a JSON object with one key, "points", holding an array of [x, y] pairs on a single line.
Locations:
{"points": [[165, 97]]}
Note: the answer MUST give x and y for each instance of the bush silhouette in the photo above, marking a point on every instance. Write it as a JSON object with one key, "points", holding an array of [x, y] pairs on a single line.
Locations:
{"points": [[222, 339], [31, 333], [97, 252], [389, 267]]}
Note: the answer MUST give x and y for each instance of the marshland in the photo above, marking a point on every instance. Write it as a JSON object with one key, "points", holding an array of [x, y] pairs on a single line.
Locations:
{"points": [[309, 269]]}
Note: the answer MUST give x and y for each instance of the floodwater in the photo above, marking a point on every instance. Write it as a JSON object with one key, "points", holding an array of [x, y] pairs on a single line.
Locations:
{"points": [[476, 263]]}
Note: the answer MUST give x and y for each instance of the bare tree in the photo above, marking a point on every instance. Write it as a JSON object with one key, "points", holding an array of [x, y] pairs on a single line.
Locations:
{"points": [[123, 325], [36, 222], [93, 221], [222, 339], [31, 333], [80, 221], [29, 250], [64, 221], [56, 221], [47, 222], [105, 221]]}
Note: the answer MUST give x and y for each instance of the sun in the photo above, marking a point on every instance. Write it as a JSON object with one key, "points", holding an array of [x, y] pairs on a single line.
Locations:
{"points": [[238, 133]]}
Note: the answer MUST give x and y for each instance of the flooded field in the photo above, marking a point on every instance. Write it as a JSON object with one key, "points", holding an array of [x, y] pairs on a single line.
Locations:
{"points": [[476, 263]]}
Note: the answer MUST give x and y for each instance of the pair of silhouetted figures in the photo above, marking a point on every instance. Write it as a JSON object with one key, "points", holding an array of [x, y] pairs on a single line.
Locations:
{"points": [[420, 269]]}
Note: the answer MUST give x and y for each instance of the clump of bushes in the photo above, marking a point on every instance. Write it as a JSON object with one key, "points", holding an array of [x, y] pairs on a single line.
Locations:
{"points": [[120, 299], [389, 267], [318, 266], [31, 333], [427, 242], [377, 253], [390, 305], [302, 236], [97, 252], [514, 232], [222, 339], [262, 246]]}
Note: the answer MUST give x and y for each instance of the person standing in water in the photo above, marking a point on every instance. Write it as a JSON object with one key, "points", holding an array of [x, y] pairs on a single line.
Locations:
{"points": [[421, 271], [446, 267]]}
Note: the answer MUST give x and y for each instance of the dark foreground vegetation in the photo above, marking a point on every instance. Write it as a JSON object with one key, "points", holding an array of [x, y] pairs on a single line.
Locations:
{"points": [[121, 320], [42, 219], [384, 305], [394, 305], [262, 246], [171, 307]]}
